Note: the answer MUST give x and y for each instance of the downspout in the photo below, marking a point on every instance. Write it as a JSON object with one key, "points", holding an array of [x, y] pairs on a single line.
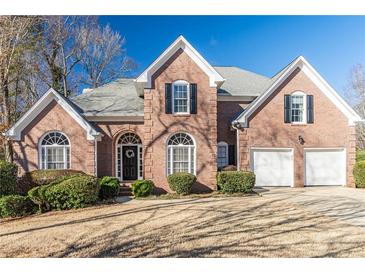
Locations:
{"points": [[238, 150], [96, 157], [237, 126]]}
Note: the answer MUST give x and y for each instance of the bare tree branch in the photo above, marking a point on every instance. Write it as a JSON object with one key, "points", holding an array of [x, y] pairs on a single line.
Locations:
{"points": [[103, 56]]}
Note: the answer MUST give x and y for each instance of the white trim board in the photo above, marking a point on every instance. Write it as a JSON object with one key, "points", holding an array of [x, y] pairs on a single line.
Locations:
{"points": [[313, 75], [15, 131], [115, 118], [215, 79]]}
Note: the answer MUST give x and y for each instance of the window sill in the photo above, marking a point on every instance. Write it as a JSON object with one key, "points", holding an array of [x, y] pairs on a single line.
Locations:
{"points": [[298, 124], [181, 114]]}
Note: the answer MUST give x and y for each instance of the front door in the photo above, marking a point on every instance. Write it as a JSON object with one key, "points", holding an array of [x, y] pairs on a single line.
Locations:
{"points": [[130, 163]]}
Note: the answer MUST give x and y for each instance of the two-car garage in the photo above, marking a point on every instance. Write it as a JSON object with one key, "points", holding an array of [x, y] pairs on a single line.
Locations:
{"points": [[322, 166]]}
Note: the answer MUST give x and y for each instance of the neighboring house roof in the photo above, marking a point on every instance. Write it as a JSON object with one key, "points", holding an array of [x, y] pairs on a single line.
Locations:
{"points": [[215, 79], [240, 82], [279, 78], [15, 131], [118, 98]]}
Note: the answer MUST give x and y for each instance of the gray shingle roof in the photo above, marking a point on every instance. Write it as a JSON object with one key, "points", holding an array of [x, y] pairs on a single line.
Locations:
{"points": [[240, 82], [121, 97], [118, 98]]}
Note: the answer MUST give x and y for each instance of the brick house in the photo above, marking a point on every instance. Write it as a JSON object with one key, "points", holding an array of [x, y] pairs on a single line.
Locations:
{"points": [[182, 114]]}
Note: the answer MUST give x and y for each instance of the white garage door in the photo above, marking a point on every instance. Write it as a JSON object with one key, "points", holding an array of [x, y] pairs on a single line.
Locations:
{"points": [[325, 167], [272, 167]]}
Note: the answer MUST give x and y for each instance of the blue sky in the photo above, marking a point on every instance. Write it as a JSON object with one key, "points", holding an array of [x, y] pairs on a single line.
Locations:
{"points": [[262, 44]]}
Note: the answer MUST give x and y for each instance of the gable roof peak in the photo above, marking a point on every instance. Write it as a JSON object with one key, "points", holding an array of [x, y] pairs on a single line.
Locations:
{"points": [[15, 131], [215, 79], [315, 77]]}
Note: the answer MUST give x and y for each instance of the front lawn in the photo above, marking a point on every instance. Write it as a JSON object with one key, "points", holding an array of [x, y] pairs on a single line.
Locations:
{"points": [[248, 226]]}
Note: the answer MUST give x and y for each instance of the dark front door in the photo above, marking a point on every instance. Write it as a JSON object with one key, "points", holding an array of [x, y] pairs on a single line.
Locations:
{"points": [[130, 165]]}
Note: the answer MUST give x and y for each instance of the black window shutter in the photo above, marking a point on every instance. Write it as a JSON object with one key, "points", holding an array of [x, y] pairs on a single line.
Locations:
{"points": [[168, 98], [231, 154], [310, 112], [193, 98], [287, 103]]}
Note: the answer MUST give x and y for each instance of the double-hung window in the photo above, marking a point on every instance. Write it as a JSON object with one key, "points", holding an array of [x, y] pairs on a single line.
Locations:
{"points": [[298, 107], [181, 97]]}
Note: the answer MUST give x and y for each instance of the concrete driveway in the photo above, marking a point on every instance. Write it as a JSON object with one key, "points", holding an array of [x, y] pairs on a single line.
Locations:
{"points": [[342, 203]]}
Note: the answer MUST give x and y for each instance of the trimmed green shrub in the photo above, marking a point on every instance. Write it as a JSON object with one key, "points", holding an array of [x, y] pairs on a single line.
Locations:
{"points": [[43, 177], [16, 206], [75, 192], [360, 155], [37, 195], [235, 181], [142, 188], [109, 187], [359, 174], [181, 182], [8, 177]]}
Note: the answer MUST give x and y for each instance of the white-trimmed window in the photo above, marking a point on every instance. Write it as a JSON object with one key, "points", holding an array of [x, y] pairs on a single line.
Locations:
{"points": [[180, 97], [298, 107], [55, 151], [180, 154], [222, 154]]}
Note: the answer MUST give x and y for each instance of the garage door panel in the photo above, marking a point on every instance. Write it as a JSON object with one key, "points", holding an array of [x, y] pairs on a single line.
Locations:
{"points": [[325, 167], [273, 167]]}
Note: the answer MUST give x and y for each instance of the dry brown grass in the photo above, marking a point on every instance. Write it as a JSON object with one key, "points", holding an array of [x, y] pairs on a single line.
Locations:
{"points": [[250, 226]]}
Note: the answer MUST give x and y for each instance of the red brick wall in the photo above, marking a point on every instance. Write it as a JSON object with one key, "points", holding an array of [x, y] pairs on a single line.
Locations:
{"points": [[227, 111], [107, 146], [202, 126], [267, 127], [54, 117]]}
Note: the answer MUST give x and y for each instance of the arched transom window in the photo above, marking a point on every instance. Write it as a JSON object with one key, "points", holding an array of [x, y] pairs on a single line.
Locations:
{"points": [[55, 151], [129, 157], [180, 154], [129, 139]]}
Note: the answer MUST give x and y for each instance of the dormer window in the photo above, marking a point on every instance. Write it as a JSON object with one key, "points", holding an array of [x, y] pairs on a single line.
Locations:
{"points": [[181, 97], [298, 108]]}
